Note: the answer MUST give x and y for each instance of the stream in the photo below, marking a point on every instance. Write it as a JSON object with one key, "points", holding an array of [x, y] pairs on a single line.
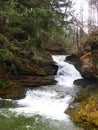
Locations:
{"points": [[44, 108]]}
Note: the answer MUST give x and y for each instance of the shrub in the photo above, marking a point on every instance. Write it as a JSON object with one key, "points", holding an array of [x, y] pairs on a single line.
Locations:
{"points": [[6, 55], [93, 38], [3, 41]]}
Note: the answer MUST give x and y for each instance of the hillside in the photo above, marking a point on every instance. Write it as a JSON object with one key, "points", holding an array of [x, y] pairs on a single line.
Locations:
{"points": [[84, 110], [29, 36]]}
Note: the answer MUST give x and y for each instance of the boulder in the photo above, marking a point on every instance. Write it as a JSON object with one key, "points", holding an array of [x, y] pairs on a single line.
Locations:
{"points": [[75, 60], [88, 68]]}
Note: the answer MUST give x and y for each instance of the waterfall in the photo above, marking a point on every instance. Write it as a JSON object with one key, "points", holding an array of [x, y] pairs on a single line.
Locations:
{"points": [[67, 73], [51, 101], [44, 107]]}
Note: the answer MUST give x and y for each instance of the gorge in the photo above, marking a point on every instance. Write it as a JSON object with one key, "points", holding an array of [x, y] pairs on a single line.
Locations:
{"points": [[44, 107]]}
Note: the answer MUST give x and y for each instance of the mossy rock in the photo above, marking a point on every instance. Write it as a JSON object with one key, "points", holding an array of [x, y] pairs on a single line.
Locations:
{"points": [[30, 69], [84, 111], [12, 92], [87, 113]]}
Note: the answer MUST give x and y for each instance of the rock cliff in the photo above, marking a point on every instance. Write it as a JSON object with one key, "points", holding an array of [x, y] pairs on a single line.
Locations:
{"points": [[89, 58]]}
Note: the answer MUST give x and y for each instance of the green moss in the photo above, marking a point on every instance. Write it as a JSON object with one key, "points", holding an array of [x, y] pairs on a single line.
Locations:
{"points": [[25, 123], [86, 114], [3, 40], [6, 54], [3, 84], [15, 48]]}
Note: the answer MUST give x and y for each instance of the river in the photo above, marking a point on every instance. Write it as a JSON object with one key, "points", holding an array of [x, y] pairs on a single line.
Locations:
{"points": [[44, 108]]}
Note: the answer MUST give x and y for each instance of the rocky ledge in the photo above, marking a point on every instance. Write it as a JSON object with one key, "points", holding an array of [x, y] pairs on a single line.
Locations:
{"points": [[89, 58], [87, 63], [16, 78]]}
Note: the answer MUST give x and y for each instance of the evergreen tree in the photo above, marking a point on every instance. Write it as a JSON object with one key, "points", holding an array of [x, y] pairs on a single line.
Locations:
{"points": [[39, 20]]}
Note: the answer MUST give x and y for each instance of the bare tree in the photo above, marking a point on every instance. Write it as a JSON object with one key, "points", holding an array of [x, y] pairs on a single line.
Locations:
{"points": [[93, 15]]}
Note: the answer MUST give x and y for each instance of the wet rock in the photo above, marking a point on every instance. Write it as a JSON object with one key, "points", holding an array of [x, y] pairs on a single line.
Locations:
{"points": [[26, 74], [85, 82], [15, 92], [31, 81], [88, 68], [49, 68], [75, 60]]}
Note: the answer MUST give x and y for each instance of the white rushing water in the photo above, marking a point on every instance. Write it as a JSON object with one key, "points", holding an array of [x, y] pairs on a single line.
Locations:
{"points": [[66, 73], [51, 101]]}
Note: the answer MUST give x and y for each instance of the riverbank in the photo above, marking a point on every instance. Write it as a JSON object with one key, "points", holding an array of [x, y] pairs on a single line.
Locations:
{"points": [[84, 109], [39, 109], [27, 41]]}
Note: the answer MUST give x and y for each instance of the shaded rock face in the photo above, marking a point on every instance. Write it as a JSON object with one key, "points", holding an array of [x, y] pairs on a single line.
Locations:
{"points": [[89, 57], [85, 64], [85, 108], [75, 60], [55, 48], [84, 83], [25, 75], [88, 68], [49, 68], [33, 75], [41, 68]]}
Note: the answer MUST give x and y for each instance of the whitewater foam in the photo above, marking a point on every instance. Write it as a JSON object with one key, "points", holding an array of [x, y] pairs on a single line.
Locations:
{"points": [[49, 102]]}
